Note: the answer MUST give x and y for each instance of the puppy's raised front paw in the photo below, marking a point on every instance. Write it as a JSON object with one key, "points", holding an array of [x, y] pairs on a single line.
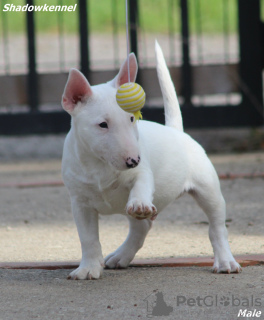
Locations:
{"points": [[141, 210], [227, 267], [93, 270]]}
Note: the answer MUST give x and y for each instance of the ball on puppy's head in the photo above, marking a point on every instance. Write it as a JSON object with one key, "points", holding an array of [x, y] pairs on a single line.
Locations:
{"points": [[131, 98]]}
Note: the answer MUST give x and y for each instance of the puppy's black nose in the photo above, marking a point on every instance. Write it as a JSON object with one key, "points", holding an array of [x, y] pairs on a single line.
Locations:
{"points": [[132, 163]]}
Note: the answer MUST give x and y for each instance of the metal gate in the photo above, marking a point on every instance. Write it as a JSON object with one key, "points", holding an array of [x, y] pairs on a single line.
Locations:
{"points": [[243, 78]]}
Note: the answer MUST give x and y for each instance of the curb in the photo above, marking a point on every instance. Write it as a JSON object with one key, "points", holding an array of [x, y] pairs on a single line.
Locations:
{"points": [[243, 260]]}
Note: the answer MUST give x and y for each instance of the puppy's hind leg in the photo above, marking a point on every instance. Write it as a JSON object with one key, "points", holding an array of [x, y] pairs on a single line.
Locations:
{"points": [[208, 195], [138, 230]]}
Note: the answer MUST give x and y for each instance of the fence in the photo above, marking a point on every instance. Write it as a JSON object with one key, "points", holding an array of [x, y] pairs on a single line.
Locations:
{"points": [[218, 75]]}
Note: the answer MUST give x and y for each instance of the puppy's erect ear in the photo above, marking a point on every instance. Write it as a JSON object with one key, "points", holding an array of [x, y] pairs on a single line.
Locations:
{"points": [[77, 89], [122, 76]]}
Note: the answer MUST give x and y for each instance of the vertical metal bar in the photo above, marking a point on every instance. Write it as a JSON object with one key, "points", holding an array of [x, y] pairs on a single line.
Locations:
{"points": [[171, 30], [142, 42], [250, 38], [199, 40], [84, 38], [32, 81], [133, 19], [198, 24], [186, 67], [226, 39], [5, 43], [226, 29], [115, 33], [61, 37]]}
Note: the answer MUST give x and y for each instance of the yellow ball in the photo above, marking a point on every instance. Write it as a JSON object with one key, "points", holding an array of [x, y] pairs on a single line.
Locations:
{"points": [[131, 98]]}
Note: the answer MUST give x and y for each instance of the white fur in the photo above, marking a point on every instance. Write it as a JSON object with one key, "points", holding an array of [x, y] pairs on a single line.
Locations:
{"points": [[167, 163]]}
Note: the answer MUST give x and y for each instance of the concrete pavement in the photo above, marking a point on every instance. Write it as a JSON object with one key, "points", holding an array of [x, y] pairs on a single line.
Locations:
{"points": [[186, 293]]}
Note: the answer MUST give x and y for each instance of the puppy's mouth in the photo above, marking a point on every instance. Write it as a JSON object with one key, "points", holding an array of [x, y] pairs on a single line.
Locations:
{"points": [[120, 167]]}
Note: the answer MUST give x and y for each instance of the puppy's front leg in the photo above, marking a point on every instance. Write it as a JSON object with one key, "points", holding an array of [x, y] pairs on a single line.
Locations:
{"points": [[140, 204], [92, 262]]}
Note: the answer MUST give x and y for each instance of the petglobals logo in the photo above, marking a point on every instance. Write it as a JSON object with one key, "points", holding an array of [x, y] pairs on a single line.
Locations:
{"points": [[216, 300], [157, 305]]}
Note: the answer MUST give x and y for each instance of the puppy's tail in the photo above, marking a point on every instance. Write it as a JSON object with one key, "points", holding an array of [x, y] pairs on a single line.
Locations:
{"points": [[173, 117]]}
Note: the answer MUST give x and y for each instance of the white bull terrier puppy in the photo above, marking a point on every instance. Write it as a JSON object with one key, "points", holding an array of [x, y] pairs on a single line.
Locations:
{"points": [[114, 164]]}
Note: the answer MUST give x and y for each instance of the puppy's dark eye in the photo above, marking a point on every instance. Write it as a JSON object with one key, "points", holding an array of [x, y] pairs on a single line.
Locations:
{"points": [[132, 119], [103, 125]]}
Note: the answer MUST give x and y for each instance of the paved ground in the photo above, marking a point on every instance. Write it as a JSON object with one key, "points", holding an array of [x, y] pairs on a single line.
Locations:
{"points": [[36, 225], [131, 294]]}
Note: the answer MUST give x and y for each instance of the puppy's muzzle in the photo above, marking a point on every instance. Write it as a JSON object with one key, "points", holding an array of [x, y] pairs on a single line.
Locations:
{"points": [[132, 163]]}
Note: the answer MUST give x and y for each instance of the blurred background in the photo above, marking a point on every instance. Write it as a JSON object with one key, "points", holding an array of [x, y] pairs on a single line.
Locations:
{"points": [[214, 50]]}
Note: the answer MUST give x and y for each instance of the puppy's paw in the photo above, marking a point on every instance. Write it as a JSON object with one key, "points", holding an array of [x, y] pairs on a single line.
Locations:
{"points": [[119, 259], [92, 270], [141, 210], [227, 267]]}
